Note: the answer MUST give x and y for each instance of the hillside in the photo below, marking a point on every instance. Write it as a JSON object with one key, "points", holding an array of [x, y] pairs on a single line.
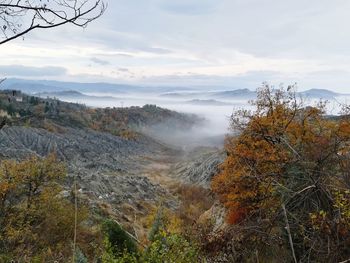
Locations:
{"points": [[121, 172], [54, 114]]}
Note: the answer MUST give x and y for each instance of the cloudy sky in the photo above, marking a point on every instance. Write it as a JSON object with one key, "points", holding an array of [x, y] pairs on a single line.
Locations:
{"points": [[231, 43]]}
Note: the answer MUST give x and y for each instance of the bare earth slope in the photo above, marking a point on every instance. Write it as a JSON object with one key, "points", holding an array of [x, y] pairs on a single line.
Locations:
{"points": [[108, 168], [198, 166]]}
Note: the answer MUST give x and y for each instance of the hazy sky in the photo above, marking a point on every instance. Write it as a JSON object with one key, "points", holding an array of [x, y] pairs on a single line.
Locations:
{"points": [[234, 43]]}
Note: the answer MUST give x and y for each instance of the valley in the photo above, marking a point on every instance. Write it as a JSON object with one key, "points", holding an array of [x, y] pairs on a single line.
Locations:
{"points": [[148, 175], [122, 175], [183, 131]]}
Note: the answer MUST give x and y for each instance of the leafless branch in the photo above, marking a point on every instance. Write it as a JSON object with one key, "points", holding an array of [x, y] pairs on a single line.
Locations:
{"points": [[20, 17]]}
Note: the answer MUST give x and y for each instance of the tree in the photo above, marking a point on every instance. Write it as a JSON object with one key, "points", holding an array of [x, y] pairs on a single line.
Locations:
{"points": [[19, 17], [284, 182], [36, 221]]}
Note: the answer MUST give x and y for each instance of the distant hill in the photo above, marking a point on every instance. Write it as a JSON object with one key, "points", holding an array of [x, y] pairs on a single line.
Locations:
{"points": [[243, 94], [72, 94], [207, 95], [55, 88], [320, 94], [234, 94], [182, 95], [39, 86], [207, 102], [68, 93]]}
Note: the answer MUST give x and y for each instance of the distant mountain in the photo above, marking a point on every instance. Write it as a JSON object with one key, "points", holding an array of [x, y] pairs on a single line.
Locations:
{"points": [[39, 86], [234, 94], [212, 95], [183, 93], [320, 94], [72, 94], [68, 93], [206, 95], [28, 87], [207, 102]]}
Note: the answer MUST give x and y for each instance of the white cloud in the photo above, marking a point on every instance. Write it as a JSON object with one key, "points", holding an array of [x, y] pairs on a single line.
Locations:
{"points": [[163, 40], [100, 61]]}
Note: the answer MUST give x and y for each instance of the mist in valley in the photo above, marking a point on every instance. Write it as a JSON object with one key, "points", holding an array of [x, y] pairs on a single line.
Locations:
{"points": [[214, 108], [214, 105], [210, 131]]}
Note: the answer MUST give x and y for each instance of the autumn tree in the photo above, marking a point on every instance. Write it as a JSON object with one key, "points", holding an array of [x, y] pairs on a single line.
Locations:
{"points": [[37, 222], [285, 180]]}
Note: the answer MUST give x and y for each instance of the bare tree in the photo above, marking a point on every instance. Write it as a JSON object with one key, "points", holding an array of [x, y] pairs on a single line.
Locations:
{"points": [[18, 17]]}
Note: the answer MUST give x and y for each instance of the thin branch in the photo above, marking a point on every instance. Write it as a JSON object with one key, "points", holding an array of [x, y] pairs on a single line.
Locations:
{"points": [[289, 233], [43, 16]]}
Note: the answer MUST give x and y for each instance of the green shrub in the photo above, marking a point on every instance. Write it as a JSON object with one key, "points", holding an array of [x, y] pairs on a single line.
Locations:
{"points": [[119, 240]]}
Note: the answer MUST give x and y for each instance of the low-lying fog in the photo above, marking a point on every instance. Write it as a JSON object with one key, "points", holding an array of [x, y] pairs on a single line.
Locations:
{"points": [[216, 108], [210, 134]]}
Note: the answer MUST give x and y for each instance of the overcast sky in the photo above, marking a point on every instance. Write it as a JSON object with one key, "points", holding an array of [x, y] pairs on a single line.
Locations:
{"points": [[232, 43]]}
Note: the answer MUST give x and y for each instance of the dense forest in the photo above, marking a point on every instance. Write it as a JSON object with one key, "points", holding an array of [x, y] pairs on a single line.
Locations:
{"points": [[281, 195]]}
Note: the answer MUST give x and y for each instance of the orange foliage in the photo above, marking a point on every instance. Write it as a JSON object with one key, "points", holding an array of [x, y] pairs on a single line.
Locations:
{"points": [[277, 135], [236, 216]]}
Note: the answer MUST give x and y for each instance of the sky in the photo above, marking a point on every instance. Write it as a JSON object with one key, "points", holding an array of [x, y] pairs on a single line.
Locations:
{"points": [[221, 43]]}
